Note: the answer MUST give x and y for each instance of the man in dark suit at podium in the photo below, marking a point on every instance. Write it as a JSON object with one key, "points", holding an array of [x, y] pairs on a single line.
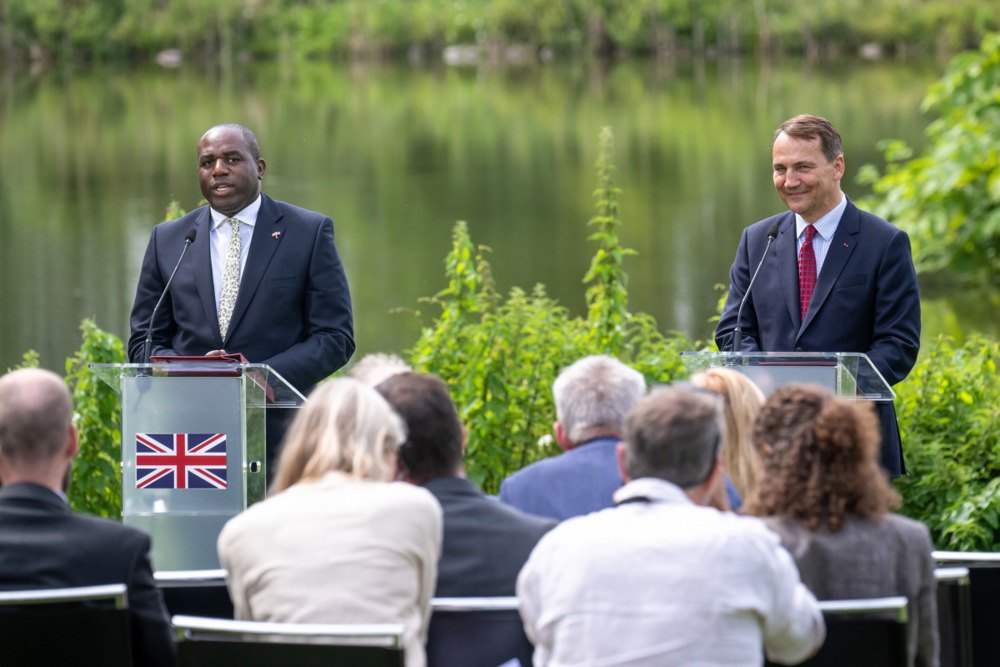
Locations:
{"points": [[43, 544], [261, 277], [836, 279]]}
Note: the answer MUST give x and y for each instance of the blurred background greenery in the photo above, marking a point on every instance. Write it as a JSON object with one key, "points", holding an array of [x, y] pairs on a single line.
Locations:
{"points": [[395, 154]]}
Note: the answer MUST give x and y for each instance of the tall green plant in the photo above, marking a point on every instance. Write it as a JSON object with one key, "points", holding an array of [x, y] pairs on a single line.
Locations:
{"points": [[500, 356], [607, 296], [95, 484]]}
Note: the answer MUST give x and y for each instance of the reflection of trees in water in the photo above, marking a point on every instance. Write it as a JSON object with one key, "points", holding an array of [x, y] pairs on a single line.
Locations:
{"points": [[395, 155]]}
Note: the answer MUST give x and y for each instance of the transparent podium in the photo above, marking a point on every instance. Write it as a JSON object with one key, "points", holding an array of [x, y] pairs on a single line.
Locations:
{"points": [[846, 374], [193, 450]]}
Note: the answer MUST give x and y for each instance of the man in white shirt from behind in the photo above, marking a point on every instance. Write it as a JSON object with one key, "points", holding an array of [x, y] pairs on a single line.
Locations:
{"points": [[661, 579]]}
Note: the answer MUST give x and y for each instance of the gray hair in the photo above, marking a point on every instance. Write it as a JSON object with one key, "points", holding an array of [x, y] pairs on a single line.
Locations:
{"points": [[373, 369], [674, 434], [596, 392], [36, 412]]}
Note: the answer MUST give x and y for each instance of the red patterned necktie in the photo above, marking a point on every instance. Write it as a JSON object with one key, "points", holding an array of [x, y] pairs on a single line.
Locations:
{"points": [[807, 271]]}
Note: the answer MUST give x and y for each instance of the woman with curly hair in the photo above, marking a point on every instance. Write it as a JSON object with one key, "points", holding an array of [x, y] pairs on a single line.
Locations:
{"points": [[741, 401], [823, 493]]}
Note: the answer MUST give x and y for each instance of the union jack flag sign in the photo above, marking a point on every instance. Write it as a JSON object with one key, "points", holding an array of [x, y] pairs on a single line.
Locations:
{"points": [[180, 461]]}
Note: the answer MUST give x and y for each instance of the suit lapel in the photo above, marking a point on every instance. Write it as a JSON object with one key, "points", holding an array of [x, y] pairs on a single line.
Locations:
{"points": [[267, 235], [841, 247], [784, 248], [201, 260]]}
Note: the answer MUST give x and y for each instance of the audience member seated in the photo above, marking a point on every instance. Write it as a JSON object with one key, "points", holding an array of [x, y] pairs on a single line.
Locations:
{"points": [[45, 545], [827, 498], [592, 397], [337, 541], [741, 401], [661, 579], [485, 541], [372, 369]]}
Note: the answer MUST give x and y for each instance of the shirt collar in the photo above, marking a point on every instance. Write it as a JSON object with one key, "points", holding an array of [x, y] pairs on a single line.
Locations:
{"points": [[654, 490], [826, 225], [247, 216]]}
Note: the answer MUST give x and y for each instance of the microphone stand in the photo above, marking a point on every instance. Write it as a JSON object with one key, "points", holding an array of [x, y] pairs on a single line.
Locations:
{"points": [[147, 345]]}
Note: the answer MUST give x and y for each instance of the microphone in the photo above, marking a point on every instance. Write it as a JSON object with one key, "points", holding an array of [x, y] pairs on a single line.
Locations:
{"points": [[772, 233], [147, 346]]}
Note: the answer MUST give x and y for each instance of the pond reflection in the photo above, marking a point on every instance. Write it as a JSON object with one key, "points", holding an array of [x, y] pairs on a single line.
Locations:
{"points": [[396, 155]]}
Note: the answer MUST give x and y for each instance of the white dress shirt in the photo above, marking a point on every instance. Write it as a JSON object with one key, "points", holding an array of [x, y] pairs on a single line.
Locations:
{"points": [[825, 228], [661, 582], [220, 235]]}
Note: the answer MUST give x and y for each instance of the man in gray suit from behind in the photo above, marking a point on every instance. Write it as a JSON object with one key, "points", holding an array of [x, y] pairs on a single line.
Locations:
{"points": [[485, 541]]}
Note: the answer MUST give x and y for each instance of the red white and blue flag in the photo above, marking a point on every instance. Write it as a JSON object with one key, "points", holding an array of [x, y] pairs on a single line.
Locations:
{"points": [[180, 461]]}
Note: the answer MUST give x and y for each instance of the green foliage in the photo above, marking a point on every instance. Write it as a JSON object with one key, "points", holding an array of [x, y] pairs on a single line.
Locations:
{"points": [[95, 484], [501, 356], [949, 409], [174, 211], [949, 196], [122, 29], [30, 359]]}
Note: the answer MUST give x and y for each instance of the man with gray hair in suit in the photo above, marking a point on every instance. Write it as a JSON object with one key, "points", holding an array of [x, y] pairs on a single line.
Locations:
{"points": [[662, 579], [592, 397]]}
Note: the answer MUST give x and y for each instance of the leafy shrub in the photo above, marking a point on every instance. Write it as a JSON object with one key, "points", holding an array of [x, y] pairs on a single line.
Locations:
{"points": [[949, 412], [95, 485], [949, 197], [500, 356]]}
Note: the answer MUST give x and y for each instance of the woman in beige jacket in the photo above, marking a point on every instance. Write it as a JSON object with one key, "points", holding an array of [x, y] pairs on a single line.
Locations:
{"points": [[337, 541]]}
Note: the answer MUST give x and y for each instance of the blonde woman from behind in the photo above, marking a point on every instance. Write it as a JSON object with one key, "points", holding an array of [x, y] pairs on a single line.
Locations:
{"points": [[337, 541], [742, 400]]}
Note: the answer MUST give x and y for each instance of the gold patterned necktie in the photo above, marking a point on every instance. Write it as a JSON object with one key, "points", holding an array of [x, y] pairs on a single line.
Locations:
{"points": [[231, 277]]}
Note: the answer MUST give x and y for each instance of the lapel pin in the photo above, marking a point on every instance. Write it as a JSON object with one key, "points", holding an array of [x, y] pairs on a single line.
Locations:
{"points": [[277, 235], [846, 246]]}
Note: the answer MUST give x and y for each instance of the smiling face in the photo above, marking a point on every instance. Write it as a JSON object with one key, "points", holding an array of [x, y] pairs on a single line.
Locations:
{"points": [[805, 179], [227, 171]]}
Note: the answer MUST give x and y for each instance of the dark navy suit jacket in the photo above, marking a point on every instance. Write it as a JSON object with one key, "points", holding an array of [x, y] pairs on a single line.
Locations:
{"points": [[293, 311], [579, 481], [485, 542], [866, 300], [43, 544]]}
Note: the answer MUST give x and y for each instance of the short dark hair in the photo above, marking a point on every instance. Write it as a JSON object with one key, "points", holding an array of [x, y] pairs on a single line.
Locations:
{"points": [[433, 446], [248, 136], [674, 434], [808, 127]]}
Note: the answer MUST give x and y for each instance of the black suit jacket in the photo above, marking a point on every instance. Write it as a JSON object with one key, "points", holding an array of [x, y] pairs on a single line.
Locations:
{"points": [[293, 311], [485, 541], [43, 544], [866, 300]]}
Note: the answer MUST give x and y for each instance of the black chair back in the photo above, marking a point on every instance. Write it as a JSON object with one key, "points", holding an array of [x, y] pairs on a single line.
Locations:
{"points": [[195, 593], [863, 633], [65, 626], [954, 615], [208, 642], [476, 632], [984, 593]]}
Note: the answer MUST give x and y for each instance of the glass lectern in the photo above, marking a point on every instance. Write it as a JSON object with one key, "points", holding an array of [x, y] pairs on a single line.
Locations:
{"points": [[192, 450], [846, 374]]}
